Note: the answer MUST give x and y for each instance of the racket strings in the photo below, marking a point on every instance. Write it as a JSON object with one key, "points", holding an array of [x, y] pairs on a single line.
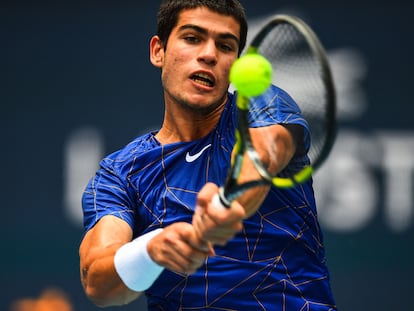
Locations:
{"points": [[298, 71]]}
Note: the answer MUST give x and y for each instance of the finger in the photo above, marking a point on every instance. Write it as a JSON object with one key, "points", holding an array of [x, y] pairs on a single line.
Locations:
{"points": [[221, 237], [193, 249], [179, 249], [199, 225], [233, 214], [182, 257], [205, 195], [209, 230], [205, 203]]}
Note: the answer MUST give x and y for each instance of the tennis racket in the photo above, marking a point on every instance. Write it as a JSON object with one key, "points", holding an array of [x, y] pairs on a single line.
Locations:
{"points": [[301, 68]]}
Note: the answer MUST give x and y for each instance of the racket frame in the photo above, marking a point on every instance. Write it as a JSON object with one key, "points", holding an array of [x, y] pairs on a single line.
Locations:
{"points": [[231, 189]]}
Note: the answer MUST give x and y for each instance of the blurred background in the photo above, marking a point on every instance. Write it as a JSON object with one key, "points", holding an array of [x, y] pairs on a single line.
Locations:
{"points": [[76, 84]]}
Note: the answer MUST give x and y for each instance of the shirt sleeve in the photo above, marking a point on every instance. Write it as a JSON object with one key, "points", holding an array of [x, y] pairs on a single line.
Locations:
{"points": [[106, 194], [276, 106]]}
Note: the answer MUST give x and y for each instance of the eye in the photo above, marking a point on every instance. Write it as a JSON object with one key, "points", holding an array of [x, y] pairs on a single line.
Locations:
{"points": [[227, 47], [191, 39]]}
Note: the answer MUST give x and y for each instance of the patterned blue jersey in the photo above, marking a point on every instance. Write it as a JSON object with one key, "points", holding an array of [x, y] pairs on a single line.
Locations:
{"points": [[276, 263]]}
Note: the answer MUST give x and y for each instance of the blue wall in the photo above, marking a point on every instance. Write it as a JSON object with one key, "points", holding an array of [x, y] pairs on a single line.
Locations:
{"points": [[76, 74]]}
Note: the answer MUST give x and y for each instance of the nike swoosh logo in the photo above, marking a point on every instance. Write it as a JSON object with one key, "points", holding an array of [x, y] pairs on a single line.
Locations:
{"points": [[191, 158]]}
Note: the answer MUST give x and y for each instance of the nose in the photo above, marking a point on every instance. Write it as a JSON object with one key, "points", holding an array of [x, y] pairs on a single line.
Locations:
{"points": [[208, 53]]}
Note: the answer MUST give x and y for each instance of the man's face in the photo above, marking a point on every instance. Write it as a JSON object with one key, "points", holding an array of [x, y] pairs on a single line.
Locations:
{"points": [[196, 62]]}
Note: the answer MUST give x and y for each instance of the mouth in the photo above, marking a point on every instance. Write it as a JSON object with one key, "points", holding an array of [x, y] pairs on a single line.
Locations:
{"points": [[203, 79]]}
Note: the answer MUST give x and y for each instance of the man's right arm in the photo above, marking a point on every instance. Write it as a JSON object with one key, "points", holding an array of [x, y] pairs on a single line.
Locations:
{"points": [[113, 267], [100, 280]]}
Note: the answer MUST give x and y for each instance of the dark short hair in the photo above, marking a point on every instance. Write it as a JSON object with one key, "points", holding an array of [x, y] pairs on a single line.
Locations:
{"points": [[170, 10]]}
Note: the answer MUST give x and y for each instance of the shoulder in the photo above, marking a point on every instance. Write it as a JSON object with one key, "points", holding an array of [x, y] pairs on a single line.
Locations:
{"points": [[137, 147], [275, 96]]}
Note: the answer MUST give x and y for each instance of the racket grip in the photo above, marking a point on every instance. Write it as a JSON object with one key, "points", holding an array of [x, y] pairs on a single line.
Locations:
{"points": [[219, 201]]}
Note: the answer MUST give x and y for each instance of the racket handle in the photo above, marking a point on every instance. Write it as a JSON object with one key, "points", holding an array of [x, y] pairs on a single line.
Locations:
{"points": [[219, 200]]}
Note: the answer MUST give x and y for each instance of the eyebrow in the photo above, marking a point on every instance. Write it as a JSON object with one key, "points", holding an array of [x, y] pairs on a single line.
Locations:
{"points": [[204, 31]]}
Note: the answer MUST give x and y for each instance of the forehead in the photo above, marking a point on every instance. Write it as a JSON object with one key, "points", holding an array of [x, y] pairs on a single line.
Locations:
{"points": [[212, 21]]}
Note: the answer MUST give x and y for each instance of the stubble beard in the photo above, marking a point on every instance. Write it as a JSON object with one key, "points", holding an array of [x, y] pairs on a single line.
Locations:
{"points": [[198, 109]]}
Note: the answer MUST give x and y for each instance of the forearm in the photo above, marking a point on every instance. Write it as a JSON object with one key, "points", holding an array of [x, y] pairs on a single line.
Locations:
{"points": [[115, 273], [275, 146], [252, 199], [100, 280], [274, 154], [102, 283]]}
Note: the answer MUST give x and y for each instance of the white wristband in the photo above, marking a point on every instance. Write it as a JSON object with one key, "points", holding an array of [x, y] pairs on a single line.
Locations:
{"points": [[134, 265]]}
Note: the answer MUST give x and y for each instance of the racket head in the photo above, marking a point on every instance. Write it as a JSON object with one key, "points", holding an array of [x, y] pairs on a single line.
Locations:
{"points": [[301, 68]]}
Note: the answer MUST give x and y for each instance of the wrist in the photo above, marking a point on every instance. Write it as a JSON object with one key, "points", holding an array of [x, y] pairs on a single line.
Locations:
{"points": [[134, 265]]}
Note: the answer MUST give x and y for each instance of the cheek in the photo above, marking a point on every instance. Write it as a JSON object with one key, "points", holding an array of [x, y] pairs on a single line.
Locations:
{"points": [[228, 64], [174, 64], [169, 67], [227, 73], [178, 55], [226, 69]]}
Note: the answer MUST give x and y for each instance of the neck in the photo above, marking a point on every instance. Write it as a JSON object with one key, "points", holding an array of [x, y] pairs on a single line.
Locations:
{"points": [[187, 125]]}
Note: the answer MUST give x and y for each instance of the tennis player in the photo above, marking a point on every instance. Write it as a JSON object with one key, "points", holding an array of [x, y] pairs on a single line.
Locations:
{"points": [[150, 224]]}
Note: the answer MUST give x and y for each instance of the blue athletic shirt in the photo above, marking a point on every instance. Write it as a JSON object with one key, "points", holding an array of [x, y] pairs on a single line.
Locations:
{"points": [[278, 260]]}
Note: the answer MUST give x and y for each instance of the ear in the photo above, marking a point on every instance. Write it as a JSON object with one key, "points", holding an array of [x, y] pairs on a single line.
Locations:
{"points": [[156, 52]]}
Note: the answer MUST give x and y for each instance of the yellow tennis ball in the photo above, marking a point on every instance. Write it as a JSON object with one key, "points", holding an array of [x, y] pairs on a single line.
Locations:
{"points": [[251, 74]]}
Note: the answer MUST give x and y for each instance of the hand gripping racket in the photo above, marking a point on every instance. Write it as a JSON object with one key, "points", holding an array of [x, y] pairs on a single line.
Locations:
{"points": [[301, 68]]}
